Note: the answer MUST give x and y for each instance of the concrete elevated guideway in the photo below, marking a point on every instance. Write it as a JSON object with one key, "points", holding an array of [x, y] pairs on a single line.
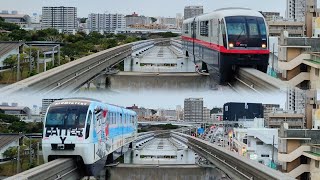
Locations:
{"points": [[68, 168], [73, 75], [237, 167], [160, 67], [57, 169], [183, 124], [261, 81]]}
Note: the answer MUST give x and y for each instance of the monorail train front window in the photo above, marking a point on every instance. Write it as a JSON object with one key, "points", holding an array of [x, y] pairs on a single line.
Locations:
{"points": [[246, 31], [67, 116]]}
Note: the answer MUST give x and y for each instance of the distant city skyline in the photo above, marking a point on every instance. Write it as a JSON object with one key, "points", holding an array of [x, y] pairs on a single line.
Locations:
{"points": [[144, 7], [160, 99]]}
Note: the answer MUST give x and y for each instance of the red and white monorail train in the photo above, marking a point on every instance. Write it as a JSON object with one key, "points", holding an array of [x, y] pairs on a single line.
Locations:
{"points": [[225, 40]]}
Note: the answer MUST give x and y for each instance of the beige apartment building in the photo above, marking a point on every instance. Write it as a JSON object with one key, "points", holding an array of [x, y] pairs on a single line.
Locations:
{"points": [[299, 153], [295, 121], [294, 28], [299, 61]]}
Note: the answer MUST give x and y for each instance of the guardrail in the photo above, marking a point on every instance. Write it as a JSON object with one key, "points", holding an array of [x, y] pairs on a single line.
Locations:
{"points": [[73, 75], [235, 166], [58, 169]]}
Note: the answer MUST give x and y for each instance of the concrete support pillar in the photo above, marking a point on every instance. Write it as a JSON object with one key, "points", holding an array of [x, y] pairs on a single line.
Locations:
{"points": [[30, 60], [44, 63], [59, 60], [38, 59], [53, 56], [18, 160], [18, 67]]}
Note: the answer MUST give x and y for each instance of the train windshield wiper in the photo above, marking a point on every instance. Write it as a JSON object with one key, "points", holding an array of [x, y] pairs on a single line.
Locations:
{"points": [[239, 35]]}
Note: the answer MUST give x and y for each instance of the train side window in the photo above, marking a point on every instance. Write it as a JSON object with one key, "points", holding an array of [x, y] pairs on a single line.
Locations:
{"points": [[204, 28], [108, 118], [88, 124], [120, 122], [186, 28]]}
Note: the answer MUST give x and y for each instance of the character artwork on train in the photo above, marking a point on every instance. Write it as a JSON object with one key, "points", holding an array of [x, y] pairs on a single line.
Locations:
{"points": [[88, 130]]}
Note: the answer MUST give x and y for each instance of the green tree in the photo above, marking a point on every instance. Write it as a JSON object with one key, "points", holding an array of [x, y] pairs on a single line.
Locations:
{"points": [[8, 118], [20, 35], [10, 61], [10, 153], [215, 110], [121, 37], [8, 26], [83, 20], [18, 127]]}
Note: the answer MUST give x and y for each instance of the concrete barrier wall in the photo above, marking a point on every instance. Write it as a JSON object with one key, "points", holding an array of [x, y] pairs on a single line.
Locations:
{"points": [[142, 172], [140, 82]]}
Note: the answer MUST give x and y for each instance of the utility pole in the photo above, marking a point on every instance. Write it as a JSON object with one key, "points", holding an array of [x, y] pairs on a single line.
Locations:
{"points": [[272, 161]]}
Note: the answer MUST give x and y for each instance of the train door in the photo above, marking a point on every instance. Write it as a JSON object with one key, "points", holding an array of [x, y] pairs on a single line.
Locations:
{"points": [[194, 36], [218, 40], [89, 126]]}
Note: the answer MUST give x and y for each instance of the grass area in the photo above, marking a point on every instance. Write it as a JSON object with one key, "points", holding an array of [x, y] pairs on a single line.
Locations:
{"points": [[9, 77], [10, 168]]}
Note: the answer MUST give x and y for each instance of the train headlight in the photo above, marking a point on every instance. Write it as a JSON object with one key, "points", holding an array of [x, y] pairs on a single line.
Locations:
{"points": [[264, 46], [231, 45]]}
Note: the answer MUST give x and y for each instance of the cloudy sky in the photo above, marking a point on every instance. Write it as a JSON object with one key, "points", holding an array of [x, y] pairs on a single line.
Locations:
{"points": [[146, 7]]}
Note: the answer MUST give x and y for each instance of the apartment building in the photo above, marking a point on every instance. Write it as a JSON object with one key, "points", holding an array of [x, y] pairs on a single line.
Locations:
{"points": [[61, 18], [193, 109], [192, 11], [299, 152], [107, 23], [294, 28]]}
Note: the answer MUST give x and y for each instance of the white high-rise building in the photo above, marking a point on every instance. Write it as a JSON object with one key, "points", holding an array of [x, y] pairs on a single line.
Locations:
{"points": [[61, 18], [192, 11], [105, 22], [297, 9], [193, 109], [296, 100], [35, 18]]}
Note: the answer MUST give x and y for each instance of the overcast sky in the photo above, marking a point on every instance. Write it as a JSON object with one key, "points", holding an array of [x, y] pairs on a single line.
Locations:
{"points": [[166, 8]]}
